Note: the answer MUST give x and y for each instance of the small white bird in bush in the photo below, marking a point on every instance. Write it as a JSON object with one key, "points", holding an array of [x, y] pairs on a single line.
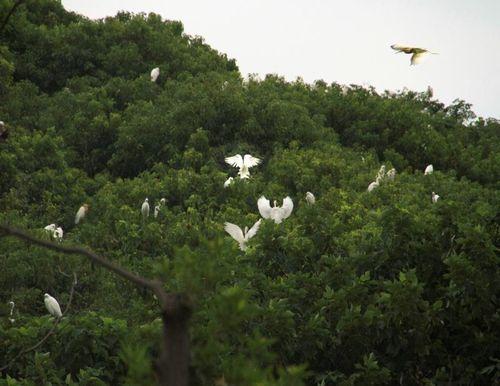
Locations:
{"points": [[145, 209], [58, 233], [243, 163], [381, 172], [275, 213], [155, 73], [50, 228], [228, 182], [434, 197], [52, 306], [374, 184], [82, 212], [158, 207], [429, 170], [240, 236], [391, 174], [310, 198]]}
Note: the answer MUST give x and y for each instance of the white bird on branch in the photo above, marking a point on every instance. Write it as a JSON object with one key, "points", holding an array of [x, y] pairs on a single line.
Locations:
{"points": [[243, 163], [374, 184], [381, 172], [391, 174], [228, 182], [310, 198], [50, 228], [276, 213], [240, 236], [145, 209], [58, 233], [417, 53], [81, 213], [155, 73], [159, 206], [434, 197], [52, 306], [429, 170]]}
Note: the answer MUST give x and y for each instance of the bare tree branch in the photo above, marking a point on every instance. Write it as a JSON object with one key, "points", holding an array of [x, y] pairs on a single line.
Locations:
{"points": [[173, 363], [51, 331]]}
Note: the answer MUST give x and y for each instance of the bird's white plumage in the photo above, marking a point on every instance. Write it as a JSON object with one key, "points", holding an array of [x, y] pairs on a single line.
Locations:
{"points": [[275, 213], [228, 182], [243, 163], [58, 233], [241, 237], [81, 213], [417, 58], [50, 227], [429, 169], [434, 197], [145, 208], [52, 306], [374, 184], [381, 172], [391, 174], [155, 73], [310, 198]]}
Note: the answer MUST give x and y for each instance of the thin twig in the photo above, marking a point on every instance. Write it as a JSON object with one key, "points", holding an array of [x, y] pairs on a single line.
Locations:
{"points": [[51, 331]]}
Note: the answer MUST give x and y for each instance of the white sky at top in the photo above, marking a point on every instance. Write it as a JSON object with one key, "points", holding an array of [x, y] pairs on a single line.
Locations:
{"points": [[346, 41]]}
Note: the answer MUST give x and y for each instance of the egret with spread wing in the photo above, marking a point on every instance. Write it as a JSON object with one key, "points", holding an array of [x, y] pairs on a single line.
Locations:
{"points": [[275, 213], [243, 163], [240, 236]]}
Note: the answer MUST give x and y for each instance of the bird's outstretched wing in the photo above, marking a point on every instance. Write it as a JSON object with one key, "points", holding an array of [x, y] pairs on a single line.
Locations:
{"points": [[235, 161], [417, 58], [253, 230], [235, 231], [400, 48], [250, 161], [264, 207], [287, 207]]}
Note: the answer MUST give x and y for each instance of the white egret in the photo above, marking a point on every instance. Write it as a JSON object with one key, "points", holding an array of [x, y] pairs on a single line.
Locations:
{"points": [[58, 233], [310, 198], [12, 305], [434, 197], [381, 172], [276, 213], [158, 207], [155, 73], [228, 182], [50, 228], [145, 209], [240, 236], [243, 163], [374, 184], [391, 174], [429, 170], [81, 213], [52, 306], [417, 53]]}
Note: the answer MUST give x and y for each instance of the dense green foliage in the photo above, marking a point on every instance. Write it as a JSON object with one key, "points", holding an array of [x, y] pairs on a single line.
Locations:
{"points": [[359, 289]]}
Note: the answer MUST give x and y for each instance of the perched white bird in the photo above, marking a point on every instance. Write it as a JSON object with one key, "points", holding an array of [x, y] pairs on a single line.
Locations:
{"points": [[429, 170], [434, 197], [381, 172], [391, 174], [50, 228], [228, 182], [155, 73], [240, 236], [158, 207], [58, 233], [52, 306], [310, 198], [417, 53], [243, 163], [12, 305], [275, 213], [374, 184], [145, 209], [81, 213]]}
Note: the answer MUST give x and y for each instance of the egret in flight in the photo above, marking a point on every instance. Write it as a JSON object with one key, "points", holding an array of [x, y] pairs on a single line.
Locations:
{"points": [[155, 73], [310, 198], [275, 213], [81, 213], [243, 163], [417, 53], [240, 236], [52, 306]]}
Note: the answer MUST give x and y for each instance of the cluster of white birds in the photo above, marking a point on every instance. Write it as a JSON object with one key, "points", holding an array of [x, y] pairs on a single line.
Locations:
{"points": [[381, 175], [145, 208], [55, 231]]}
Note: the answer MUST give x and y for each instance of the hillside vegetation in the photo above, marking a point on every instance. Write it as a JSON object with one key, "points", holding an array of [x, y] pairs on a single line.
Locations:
{"points": [[361, 288]]}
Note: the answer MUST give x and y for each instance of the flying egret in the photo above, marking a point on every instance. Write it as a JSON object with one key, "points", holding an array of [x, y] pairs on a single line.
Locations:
{"points": [[52, 306], [240, 236], [155, 73], [145, 209], [434, 197], [243, 163], [429, 169], [275, 213], [58, 233], [417, 53], [374, 184], [310, 198], [228, 182], [81, 213], [12, 305], [391, 174]]}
